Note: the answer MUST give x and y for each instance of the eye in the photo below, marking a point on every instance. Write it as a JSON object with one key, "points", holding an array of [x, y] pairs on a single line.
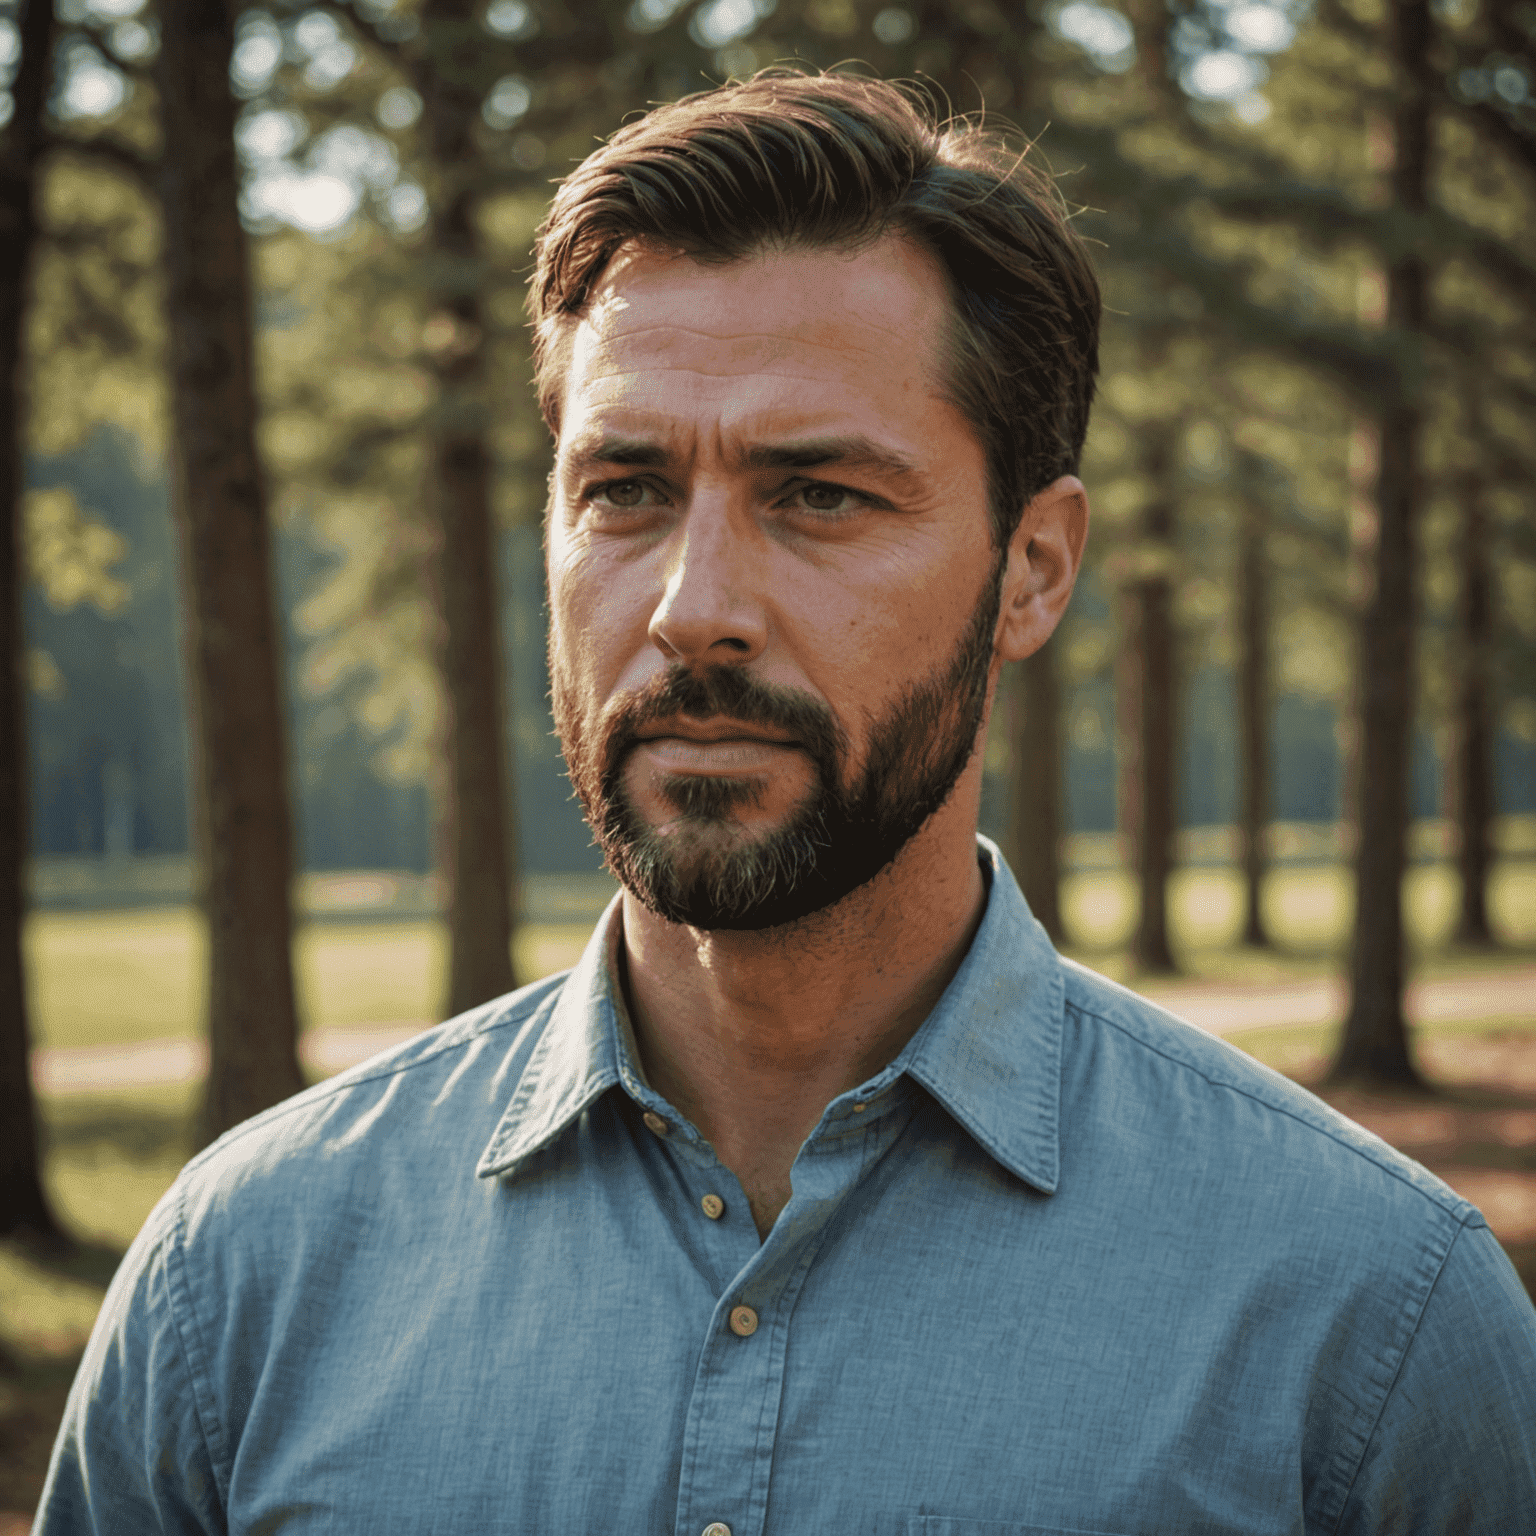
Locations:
{"points": [[622, 493], [827, 499], [626, 495]]}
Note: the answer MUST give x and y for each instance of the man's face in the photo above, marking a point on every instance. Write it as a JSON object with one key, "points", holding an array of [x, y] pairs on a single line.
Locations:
{"points": [[773, 589]]}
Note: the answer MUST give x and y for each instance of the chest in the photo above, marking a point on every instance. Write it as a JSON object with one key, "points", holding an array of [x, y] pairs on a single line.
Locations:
{"points": [[935, 1359]]}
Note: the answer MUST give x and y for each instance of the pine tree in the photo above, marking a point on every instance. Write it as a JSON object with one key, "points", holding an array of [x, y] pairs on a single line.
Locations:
{"points": [[24, 1206], [1375, 1039], [1253, 707], [244, 825]]}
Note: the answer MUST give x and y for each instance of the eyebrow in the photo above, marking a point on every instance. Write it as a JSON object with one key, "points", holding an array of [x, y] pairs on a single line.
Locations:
{"points": [[854, 451], [622, 450]]}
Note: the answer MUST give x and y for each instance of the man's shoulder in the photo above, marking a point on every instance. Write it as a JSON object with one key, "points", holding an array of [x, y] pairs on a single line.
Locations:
{"points": [[1217, 1105], [432, 1099]]}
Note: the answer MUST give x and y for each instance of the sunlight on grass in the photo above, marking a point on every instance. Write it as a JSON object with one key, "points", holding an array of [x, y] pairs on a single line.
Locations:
{"points": [[351, 974], [1308, 910], [109, 977], [111, 1155], [43, 1312], [116, 977], [370, 973]]}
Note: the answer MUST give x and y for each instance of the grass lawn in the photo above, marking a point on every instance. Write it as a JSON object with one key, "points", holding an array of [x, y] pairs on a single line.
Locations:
{"points": [[101, 978]]}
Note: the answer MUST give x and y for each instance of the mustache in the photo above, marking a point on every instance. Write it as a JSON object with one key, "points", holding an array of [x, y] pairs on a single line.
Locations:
{"points": [[732, 693]]}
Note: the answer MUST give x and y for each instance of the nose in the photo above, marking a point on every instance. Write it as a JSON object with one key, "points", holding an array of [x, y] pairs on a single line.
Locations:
{"points": [[711, 611]]}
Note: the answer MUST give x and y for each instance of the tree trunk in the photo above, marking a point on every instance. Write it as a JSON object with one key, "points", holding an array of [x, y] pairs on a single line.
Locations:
{"points": [[24, 1205], [1253, 698], [1374, 1047], [233, 648], [1034, 811], [474, 824], [1472, 774], [1147, 692]]}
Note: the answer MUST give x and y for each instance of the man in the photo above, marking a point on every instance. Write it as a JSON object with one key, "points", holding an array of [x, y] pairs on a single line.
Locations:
{"points": [[821, 1195]]}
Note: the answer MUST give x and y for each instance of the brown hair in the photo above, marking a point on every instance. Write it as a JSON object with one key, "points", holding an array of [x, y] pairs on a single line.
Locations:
{"points": [[788, 159]]}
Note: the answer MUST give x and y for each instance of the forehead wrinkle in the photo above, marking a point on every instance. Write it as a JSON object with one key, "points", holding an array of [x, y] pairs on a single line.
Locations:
{"points": [[776, 341]]}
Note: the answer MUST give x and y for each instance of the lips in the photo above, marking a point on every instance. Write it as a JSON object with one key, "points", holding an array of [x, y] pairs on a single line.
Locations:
{"points": [[711, 733], [712, 748]]}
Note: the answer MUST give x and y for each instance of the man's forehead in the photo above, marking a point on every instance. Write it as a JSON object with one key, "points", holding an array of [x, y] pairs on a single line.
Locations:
{"points": [[878, 281], [720, 320], [782, 334]]}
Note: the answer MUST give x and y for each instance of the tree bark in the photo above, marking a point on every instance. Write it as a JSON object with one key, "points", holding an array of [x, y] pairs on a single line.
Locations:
{"points": [[1034, 812], [24, 1205], [1147, 694], [1472, 774], [239, 727], [475, 828], [1253, 703], [1374, 1047]]}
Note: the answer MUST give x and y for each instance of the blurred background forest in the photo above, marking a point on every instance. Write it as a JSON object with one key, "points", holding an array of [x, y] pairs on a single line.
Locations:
{"points": [[274, 473]]}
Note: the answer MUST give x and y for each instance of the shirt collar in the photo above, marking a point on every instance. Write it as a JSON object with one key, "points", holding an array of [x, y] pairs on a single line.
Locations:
{"points": [[990, 1052], [575, 1061]]}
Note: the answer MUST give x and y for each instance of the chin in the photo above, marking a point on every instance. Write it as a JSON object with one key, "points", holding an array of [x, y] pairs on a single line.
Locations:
{"points": [[719, 876]]}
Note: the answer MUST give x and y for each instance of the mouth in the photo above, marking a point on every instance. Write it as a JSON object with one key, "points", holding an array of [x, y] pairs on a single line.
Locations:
{"points": [[712, 733], [713, 748]]}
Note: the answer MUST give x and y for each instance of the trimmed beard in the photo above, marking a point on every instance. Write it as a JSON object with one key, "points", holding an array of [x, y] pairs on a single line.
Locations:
{"points": [[836, 841]]}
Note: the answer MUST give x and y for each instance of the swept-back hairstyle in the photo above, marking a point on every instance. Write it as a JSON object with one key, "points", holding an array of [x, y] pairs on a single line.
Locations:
{"points": [[788, 160]]}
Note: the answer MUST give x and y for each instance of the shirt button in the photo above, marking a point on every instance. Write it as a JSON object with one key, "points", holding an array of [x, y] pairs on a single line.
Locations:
{"points": [[654, 1122], [717, 1528], [743, 1322], [859, 1109], [714, 1207]]}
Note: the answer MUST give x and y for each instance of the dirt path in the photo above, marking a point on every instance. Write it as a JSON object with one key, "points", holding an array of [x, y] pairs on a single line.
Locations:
{"points": [[78, 1069], [1222, 1009]]}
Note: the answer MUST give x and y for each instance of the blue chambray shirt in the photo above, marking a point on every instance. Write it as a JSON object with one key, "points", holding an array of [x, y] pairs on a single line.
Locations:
{"points": [[1066, 1265]]}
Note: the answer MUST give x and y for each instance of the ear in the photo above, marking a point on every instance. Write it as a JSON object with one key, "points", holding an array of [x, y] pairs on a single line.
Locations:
{"points": [[1043, 559]]}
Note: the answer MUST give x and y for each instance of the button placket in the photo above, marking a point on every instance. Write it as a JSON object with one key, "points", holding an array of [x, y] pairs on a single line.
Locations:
{"points": [[729, 1440]]}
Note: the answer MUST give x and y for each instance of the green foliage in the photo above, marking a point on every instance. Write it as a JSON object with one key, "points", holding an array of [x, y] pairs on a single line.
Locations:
{"points": [[94, 328], [69, 555]]}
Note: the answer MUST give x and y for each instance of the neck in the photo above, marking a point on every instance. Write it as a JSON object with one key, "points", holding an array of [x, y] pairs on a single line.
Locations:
{"points": [[752, 1034]]}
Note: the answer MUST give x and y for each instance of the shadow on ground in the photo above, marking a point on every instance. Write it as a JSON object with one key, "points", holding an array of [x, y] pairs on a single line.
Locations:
{"points": [[36, 1369], [86, 1127]]}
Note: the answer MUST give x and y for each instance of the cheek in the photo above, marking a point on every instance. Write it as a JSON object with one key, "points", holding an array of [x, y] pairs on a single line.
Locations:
{"points": [[874, 623], [598, 627]]}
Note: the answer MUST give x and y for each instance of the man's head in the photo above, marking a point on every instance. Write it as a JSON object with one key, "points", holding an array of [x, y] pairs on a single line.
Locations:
{"points": [[818, 372]]}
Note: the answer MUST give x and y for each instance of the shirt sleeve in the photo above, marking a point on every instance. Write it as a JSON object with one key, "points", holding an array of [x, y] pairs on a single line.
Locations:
{"points": [[132, 1455], [1455, 1447]]}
